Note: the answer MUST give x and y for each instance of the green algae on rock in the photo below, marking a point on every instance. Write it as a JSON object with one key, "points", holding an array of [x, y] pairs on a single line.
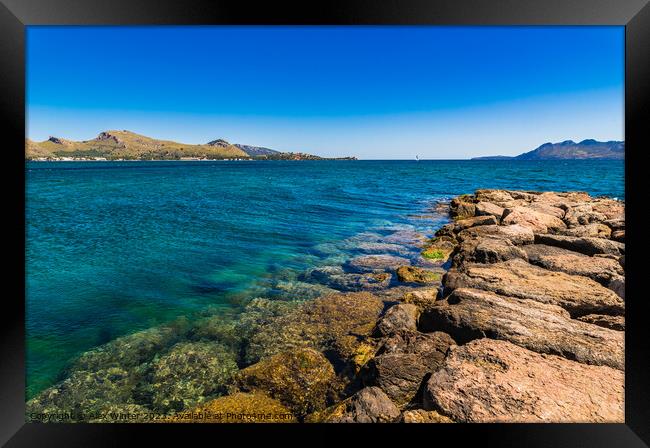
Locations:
{"points": [[413, 274], [439, 248], [131, 350], [83, 396], [335, 323], [188, 374], [300, 379]]}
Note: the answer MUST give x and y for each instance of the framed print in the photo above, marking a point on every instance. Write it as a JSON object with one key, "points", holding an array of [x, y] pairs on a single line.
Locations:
{"points": [[346, 216]]}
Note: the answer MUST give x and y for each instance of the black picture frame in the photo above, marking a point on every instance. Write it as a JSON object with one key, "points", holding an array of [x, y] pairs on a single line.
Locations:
{"points": [[16, 14]]}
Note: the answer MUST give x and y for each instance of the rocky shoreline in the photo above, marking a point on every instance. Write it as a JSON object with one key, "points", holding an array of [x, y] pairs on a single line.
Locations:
{"points": [[514, 314]]}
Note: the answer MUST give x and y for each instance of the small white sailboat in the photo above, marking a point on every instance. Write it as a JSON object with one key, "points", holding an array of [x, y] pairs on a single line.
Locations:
{"points": [[417, 158]]}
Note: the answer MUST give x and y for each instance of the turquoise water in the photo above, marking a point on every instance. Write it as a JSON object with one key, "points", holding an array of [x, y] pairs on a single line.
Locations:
{"points": [[115, 247]]}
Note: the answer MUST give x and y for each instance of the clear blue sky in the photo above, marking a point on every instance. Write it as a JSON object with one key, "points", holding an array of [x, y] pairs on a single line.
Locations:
{"points": [[373, 92]]}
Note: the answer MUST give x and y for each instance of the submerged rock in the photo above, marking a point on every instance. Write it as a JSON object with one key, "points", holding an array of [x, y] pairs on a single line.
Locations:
{"points": [[469, 314], [517, 278], [379, 248], [376, 263], [488, 380], [220, 328], [336, 278], [262, 311], [336, 324], [299, 378], [253, 407], [302, 290], [405, 237], [130, 350], [188, 374], [369, 405], [83, 396]]}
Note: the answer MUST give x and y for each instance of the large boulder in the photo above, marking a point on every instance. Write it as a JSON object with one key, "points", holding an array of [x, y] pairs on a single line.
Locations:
{"points": [[466, 223], [253, 407], [487, 250], [299, 378], [586, 245], [554, 258], [546, 208], [516, 233], [462, 207], [404, 361], [398, 318], [489, 209], [488, 380], [497, 197], [519, 279], [537, 221], [469, 314], [369, 405]]}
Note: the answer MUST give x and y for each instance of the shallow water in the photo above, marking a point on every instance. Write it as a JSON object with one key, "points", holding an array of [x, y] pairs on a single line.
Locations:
{"points": [[115, 247]]}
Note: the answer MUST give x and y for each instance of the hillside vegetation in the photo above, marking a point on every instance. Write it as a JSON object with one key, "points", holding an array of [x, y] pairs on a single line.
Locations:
{"points": [[113, 145]]}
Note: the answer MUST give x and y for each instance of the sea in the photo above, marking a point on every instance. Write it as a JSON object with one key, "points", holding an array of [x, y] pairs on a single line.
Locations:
{"points": [[117, 247]]}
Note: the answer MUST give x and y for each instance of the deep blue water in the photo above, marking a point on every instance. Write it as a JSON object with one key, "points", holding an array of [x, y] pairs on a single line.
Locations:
{"points": [[117, 247]]}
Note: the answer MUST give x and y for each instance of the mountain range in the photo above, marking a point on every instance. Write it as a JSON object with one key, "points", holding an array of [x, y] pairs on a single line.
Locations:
{"points": [[127, 145], [569, 150]]}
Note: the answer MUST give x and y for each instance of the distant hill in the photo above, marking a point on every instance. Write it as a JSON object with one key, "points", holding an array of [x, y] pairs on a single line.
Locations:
{"points": [[255, 151], [126, 145], [570, 150], [260, 152]]}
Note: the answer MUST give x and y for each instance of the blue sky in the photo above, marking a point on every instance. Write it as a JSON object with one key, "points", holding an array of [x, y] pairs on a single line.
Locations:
{"points": [[373, 92]]}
